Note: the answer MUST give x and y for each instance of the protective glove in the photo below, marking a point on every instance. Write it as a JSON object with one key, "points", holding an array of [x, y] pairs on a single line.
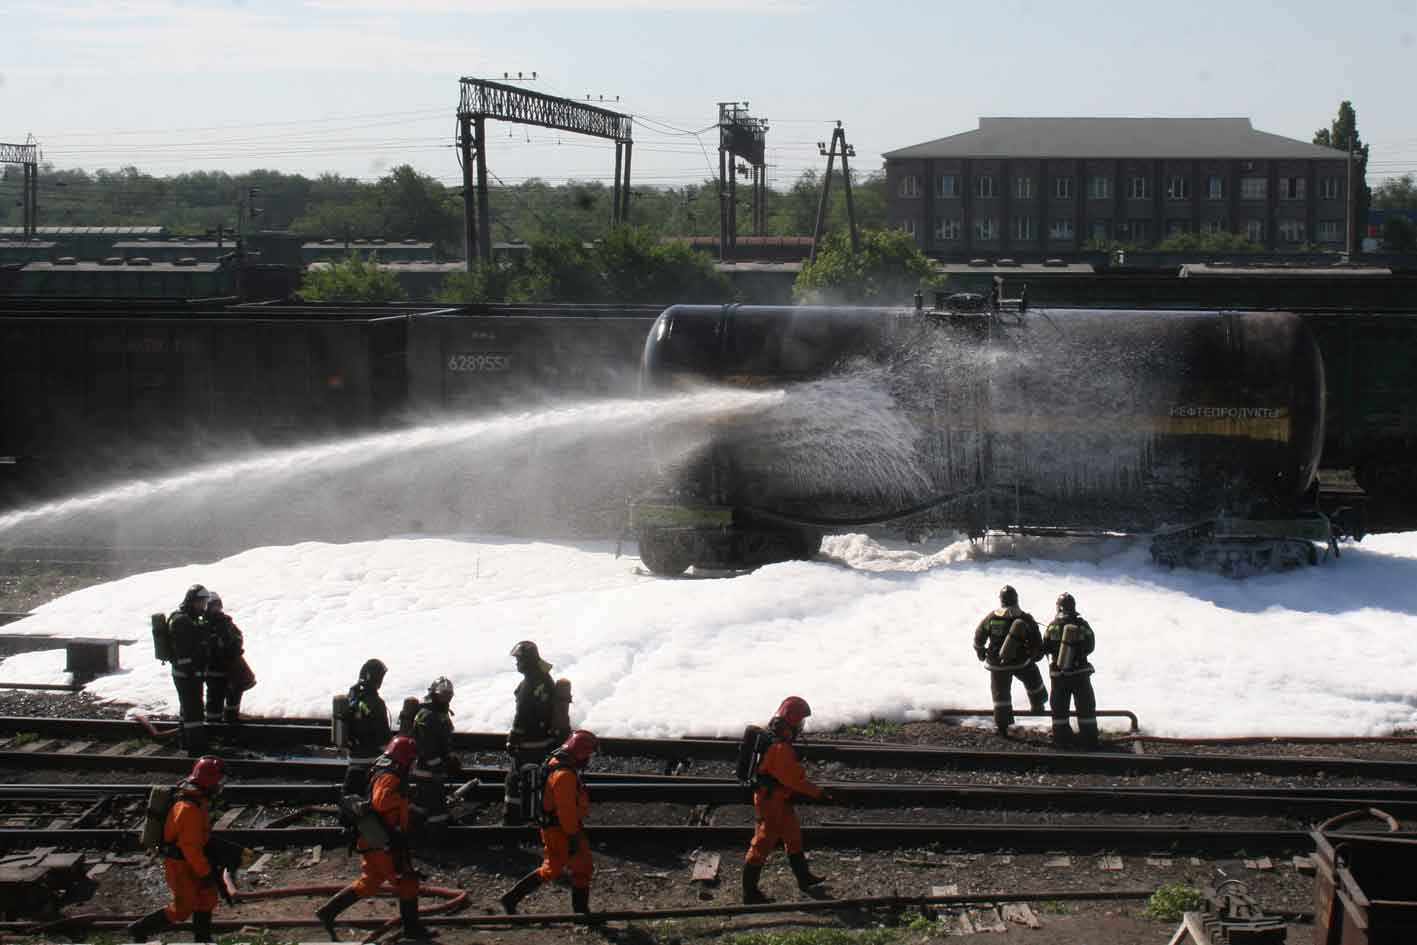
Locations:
{"points": [[979, 652], [248, 856], [574, 844], [454, 765], [207, 880], [827, 796]]}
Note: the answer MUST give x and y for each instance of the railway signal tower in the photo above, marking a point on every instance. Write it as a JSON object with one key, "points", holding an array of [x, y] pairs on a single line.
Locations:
{"points": [[27, 155], [482, 100], [740, 136]]}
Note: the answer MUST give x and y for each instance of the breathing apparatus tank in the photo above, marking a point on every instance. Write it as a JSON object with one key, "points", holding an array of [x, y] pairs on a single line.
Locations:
{"points": [[162, 638], [339, 720], [160, 801], [750, 754], [1015, 644], [1068, 648]]}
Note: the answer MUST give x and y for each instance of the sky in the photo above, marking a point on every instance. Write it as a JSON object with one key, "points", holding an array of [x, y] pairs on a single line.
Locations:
{"points": [[356, 87], [867, 630]]}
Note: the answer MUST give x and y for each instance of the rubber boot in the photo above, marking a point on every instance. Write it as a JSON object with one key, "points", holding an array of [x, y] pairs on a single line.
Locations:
{"points": [[201, 926], [752, 895], [339, 902], [142, 930], [412, 927], [580, 901], [525, 886], [805, 878]]}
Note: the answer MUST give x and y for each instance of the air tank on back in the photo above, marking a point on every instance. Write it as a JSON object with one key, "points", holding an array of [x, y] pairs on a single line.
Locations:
{"points": [[1178, 424]]}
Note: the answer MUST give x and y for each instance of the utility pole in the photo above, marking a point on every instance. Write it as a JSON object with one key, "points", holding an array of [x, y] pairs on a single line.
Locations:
{"points": [[1349, 240], [838, 140], [469, 200], [739, 135], [26, 154]]}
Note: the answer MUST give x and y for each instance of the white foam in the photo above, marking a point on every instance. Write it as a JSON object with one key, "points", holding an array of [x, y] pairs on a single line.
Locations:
{"points": [[869, 630]]}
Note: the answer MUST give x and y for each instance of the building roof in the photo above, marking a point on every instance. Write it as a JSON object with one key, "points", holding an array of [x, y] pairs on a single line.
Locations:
{"points": [[87, 230], [1144, 138]]}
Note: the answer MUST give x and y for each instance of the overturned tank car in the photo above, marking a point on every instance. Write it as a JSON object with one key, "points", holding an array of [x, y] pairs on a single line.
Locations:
{"points": [[1200, 429]]}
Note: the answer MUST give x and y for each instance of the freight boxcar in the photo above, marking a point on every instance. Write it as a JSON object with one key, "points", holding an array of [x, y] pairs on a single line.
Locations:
{"points": [[118, 388]]}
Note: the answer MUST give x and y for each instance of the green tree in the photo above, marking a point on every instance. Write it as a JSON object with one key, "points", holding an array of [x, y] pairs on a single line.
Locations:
{"points": [[351, 280], [1396, 193], [888, 269], [637, 268], [1342, 134], [1399, 235]]}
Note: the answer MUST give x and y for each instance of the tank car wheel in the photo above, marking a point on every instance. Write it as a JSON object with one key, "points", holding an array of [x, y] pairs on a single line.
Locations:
{"points": [[665, 553]]}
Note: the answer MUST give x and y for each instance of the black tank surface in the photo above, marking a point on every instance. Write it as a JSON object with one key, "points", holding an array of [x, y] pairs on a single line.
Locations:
{"points": [[1099, 419]]}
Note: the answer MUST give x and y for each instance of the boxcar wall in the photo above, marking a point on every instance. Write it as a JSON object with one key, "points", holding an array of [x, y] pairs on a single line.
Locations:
{"points": [[121, 392], [472, 360]]}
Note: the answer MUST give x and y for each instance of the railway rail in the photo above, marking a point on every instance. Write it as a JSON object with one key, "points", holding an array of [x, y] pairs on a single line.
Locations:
{"points": [[687, 749], [855, 836]]}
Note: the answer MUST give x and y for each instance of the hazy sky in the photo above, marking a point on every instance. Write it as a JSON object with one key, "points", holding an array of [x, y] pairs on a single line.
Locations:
{"points": [[357, 86]]}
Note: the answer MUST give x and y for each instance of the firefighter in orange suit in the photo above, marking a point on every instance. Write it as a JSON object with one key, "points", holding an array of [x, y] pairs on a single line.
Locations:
{"points": [[387, 858], [566, 804], [191, 876], [780, 780]]}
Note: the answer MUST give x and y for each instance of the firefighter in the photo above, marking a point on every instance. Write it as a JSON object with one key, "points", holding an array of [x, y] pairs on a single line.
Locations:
{"points": [[433, 734], [1008, 642], [224, 670], [368, 725], [529, 740], [385, 857], [191, 876], [187, 626], [780, 780], [1069, 642], [564, 805]]}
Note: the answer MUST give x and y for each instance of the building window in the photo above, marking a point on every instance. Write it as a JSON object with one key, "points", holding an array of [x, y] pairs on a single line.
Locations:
{"points": [[1021, 228], [1331, 231], [1216, 226], [1175, 227], [1178, 188], [947, 185], [986, 186], [1023, 188], [1291, 188], [1254, 231], [984, 229], [1138, 188], [1330, 188], [1291, 231], [909, 186], [1062, 229], [947, 228], [1099, 187], [1063, 188], [1139, 231], [1253, 188], [1099, 230], [908, 225], [1215, 187]]}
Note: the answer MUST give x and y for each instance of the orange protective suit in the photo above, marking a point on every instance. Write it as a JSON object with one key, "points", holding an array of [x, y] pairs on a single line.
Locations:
{"points": [[780, 779], [567, 800], [184, 839], [378, 867]]}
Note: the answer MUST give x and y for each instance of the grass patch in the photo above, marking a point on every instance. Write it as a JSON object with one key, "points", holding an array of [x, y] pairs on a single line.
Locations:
{"points": [[1172, 899], [817, 937], [1055, 907], [876, 728], [24, 738]]}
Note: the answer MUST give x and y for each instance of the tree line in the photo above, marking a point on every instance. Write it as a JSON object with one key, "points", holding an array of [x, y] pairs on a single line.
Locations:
{"points": [[407, 204]]}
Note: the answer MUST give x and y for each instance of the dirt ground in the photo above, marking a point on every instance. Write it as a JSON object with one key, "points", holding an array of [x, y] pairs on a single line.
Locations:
{"points": [[655, 877]]}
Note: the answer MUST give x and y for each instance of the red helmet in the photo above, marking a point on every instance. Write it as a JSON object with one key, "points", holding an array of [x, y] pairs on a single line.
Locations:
{"points": [[401, 750], [207, 773], [581, 745], [794, 710]]}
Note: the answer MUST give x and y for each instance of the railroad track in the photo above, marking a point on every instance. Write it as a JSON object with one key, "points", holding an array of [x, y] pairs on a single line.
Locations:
{"points": [[301, 734], [856, 836]]}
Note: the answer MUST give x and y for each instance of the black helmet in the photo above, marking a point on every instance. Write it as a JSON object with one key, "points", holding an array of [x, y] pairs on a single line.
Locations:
{"points": [[194, 593], [1066, 604], [1008, 596], [528, 657], [373, 672]]}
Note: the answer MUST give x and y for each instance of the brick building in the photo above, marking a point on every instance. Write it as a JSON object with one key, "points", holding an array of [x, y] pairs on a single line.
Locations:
{"points": [[1043, 186]]}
